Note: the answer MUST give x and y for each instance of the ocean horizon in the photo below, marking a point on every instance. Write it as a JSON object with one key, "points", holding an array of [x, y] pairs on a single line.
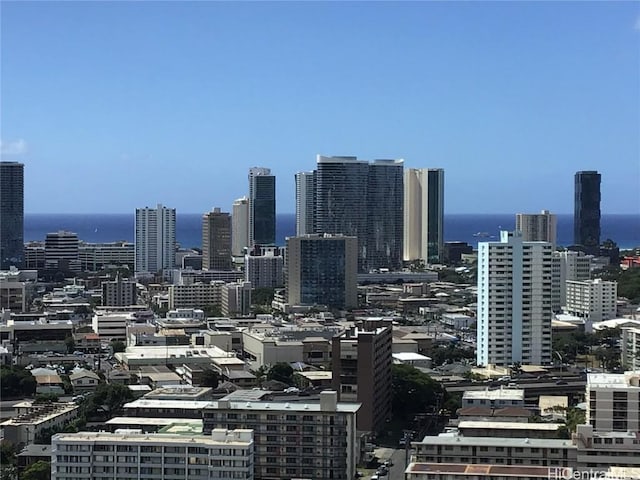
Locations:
{"points": [[624, 229]]}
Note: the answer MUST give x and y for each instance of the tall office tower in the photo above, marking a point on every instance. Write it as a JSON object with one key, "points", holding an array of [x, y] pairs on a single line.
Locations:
{"points": [[586, 217], [322, 270], [61, 251], [514, 301], [424, 215], [216, 240], [361, 367], [567, 265], [239, 226], [385, 201], [155, 239], [305, 202], [262, 207], [11, 214], [364, 200], [537, 227]]}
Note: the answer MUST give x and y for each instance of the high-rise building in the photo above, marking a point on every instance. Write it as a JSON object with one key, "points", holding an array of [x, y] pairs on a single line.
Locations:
{"points": [[385, 201], [361, 366], [424, 215], [155, 239], [586, 218], [216, 240], [240, 226], [264, 267], [537, 227], [61, 251], [11, 214], [364, 200], [514, 301], [305, 202], [322, 270], [262, 207]]}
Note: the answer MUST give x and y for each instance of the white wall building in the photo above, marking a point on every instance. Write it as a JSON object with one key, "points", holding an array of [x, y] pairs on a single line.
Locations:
{"points": [[537, 227], [514, 301], [111, 326], [613, 401], [131, 455], [567, 265], [423, 214], [155, 239], [630, 348], [236, 299], [593, 300]]}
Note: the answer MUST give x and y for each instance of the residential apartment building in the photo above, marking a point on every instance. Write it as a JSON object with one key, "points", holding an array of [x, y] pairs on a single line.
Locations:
{"points": [[31, 419], [424, 215], [305, 202], [500, 398], [538, 227], [364, 200], [593, 300], [239, 226], [13, 294], [630, 348], [132, 454], [322, 270], [96, 256], [61, 251], [586, 217], [567, 265], [11, 215], [455, 448], [155, 239], [216, 240], [613, 401], [236, 299], [196, 295], [361, 362], [262, 207], [120, 292], [514, 301], [294, 440], [264, 267]]}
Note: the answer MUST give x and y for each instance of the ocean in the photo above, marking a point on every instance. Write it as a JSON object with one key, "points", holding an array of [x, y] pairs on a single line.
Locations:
{"points": [[97, 228]]}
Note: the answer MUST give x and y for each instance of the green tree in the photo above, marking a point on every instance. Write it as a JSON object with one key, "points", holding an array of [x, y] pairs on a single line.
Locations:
{"points": [[213, 311], [111, 396], [262, 296], [450, 353], [414, 392], [118, 346], [70, 343], [16, 382], [39, 470], [46, 398], [282, 372], [210, 378]]}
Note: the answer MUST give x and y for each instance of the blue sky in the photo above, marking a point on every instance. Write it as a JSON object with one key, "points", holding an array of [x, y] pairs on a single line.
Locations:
{"points": [[118, 105]]}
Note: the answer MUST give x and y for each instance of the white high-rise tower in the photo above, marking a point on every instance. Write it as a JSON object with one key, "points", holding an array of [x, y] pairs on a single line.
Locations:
{"points": [[155, 239], [514, 301], [423, 214], [305, 203]]}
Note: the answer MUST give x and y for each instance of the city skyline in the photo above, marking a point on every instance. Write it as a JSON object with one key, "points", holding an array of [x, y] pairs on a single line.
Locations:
{"points": [[158, 97]]}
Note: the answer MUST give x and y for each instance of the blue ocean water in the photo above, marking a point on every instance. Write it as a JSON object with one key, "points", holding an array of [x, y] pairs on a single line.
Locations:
{"points": [[623, 229]]}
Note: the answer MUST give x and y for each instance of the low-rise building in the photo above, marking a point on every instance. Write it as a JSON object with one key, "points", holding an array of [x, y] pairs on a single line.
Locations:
{"points": [[593, 300], [132, 454], [498, 398], [630, 348], [84, 381], [31, 419]]}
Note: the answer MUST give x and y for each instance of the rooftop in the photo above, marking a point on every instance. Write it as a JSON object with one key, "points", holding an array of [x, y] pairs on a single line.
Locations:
{"points": [[490, 471], [41, 413], [497, 394], [152, 421], [457, 439], [546, 427], [627, 380], [238, 437]]}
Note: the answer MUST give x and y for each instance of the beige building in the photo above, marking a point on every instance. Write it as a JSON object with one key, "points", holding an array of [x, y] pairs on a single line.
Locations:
{"points": [[294, 440], [537, 227], [31, 419], [216, 240], [196, 295], [613, 401]]}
